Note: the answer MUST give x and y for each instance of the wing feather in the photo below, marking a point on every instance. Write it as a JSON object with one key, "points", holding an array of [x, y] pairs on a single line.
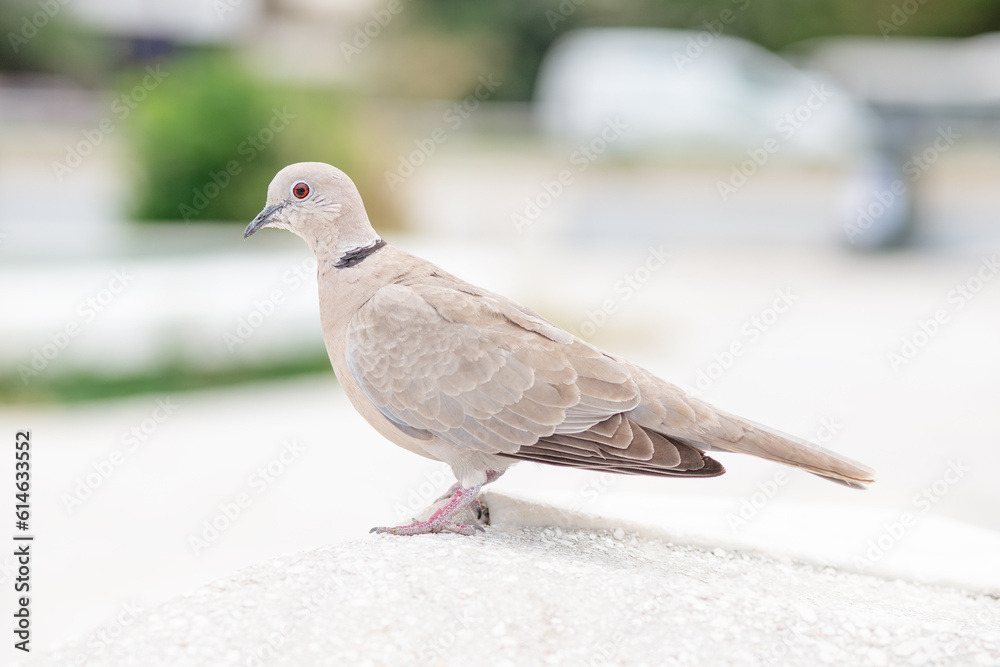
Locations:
{"points": [[467, 371], [479, 373]]}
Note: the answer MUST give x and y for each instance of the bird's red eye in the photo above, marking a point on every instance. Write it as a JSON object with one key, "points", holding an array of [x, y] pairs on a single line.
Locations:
{"points": [[300, 190]]}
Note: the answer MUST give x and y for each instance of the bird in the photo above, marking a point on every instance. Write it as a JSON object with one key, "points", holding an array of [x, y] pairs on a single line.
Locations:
{"points": [[459, 374]]}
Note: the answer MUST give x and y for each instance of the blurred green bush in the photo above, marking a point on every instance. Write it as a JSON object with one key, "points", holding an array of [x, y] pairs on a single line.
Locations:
{"points": [[209, 139], [185, 134]]}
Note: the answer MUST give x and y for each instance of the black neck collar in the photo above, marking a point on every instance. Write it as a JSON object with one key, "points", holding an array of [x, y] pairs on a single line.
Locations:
{"points": [[358, 255]]}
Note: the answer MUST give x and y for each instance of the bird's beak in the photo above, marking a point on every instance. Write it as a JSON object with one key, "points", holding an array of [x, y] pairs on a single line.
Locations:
{"points": [[262, 218]]}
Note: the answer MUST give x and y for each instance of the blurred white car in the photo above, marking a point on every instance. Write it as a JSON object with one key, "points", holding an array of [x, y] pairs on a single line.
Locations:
{"points": [[681, 91]]}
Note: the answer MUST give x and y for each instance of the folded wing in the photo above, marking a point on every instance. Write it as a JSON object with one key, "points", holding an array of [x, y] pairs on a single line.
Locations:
{"points": [[478, 372]]}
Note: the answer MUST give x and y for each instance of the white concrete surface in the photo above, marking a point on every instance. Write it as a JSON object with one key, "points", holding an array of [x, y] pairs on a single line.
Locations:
{"points": [[521, 595]]}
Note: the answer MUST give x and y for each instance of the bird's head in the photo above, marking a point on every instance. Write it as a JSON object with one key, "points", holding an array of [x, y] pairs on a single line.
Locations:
{"points": [[319, 203]]}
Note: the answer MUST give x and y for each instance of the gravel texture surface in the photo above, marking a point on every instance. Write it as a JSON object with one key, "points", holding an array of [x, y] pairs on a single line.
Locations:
{"points": [[548, 596]]}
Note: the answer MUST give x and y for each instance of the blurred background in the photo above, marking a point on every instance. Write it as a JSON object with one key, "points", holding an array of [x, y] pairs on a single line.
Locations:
{"points": [[790, 209]]}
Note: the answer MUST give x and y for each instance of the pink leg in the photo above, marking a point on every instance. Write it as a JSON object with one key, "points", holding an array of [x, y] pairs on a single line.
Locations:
{"points": [[450, 492], [491, 476], [459, 497]]}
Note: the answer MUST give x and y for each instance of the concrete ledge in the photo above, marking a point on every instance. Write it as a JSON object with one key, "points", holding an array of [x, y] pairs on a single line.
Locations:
{"points": [[877, 540], [524, 593]]}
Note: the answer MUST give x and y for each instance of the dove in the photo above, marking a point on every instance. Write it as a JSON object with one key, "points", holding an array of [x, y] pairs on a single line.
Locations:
{"points": [[458, 374]]}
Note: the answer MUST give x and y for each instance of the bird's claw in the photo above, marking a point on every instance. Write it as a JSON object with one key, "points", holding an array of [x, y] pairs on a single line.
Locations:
{"points": [[427, 527], [442, 520]]}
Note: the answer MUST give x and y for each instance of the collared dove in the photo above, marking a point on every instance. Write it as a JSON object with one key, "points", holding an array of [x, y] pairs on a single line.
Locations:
{"points": [[458, 374]]}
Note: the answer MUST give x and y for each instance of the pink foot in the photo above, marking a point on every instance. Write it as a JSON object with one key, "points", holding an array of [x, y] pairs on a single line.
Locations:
{"points": [[442, 521]]}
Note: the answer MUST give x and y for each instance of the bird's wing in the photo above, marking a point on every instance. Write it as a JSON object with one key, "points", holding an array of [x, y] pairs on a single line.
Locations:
{"points": [[481, 373]]}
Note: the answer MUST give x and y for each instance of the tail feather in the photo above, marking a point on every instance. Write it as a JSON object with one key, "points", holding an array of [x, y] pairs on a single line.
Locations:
{"points": [[669, 410], [735, 434]]}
